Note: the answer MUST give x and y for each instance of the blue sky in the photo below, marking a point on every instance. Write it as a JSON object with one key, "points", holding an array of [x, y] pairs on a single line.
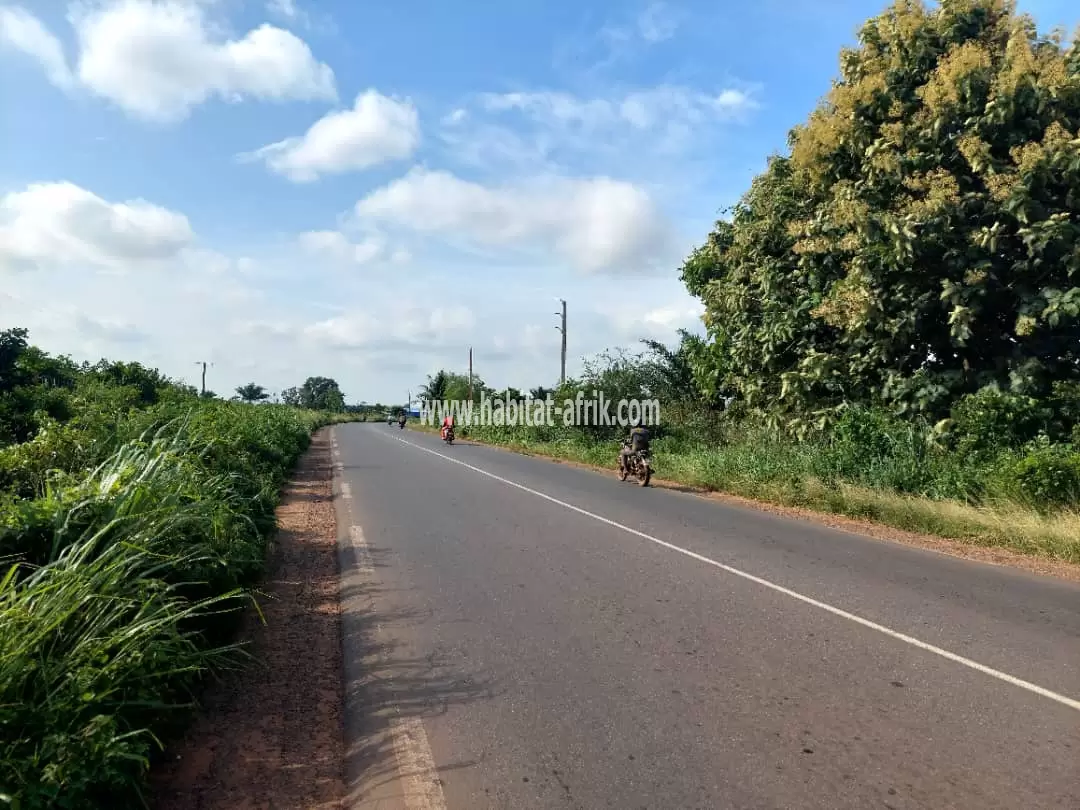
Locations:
{"points": [[363, 190]]}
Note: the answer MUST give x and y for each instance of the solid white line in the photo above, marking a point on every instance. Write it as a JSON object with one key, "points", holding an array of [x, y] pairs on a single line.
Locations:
{"points": [[420, 781], [922, 645], [346, 490]]}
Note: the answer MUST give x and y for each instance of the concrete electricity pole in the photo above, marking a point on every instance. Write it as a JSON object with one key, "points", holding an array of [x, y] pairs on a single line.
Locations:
{"points": [[562, 373], [470, 374], [204, 364]]}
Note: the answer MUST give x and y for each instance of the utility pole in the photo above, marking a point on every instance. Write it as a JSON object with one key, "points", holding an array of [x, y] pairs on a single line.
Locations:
{"points": [[204, 364], [470, 374], [562, 373]]}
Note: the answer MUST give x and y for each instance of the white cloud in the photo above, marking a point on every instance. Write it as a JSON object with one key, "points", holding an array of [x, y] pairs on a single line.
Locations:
{"points": [[455, 117], [157, 60], [284, 8], [336, 246], [24, 32], [642, 109], [402, 327], [377, 129], [657, 23], [650, 134], [51, 224], [596, 224]]}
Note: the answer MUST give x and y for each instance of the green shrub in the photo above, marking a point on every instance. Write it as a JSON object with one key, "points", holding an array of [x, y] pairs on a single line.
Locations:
{"points": [[1047, 476], [991, 421]]}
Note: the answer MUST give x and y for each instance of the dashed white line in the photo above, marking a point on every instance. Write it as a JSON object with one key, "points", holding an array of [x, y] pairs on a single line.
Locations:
{"points": [[1064, 700]]}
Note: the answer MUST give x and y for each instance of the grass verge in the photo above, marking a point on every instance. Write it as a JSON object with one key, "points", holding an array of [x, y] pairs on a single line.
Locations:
{"points": [[120, 592]]}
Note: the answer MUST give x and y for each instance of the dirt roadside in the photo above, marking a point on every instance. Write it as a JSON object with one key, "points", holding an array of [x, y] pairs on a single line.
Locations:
{"points": [[270, 736]]}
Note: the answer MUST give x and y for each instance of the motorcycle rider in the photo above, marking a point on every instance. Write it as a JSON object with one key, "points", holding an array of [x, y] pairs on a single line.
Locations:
{"points": [[401, 419], [639, 441], [447, 424]]}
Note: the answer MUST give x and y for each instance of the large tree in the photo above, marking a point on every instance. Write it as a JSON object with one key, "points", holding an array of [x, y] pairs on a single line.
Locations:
{"points": [[921, 240]]}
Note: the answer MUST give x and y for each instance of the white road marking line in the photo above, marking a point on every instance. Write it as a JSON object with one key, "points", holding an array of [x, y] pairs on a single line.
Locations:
{"points": [[420, 781], [1064, 700], [346, 490], [421, 788], [363, 555]]}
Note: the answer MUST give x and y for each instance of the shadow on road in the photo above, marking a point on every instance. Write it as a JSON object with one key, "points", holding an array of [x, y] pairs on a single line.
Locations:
{"points": [[386, 686]]}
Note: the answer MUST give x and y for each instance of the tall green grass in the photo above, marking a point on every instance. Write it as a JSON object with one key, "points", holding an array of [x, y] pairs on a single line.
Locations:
{"points": [[120, 591]]}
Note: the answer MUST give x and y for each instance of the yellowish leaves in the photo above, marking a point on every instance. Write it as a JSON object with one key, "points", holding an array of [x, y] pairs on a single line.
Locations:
{"points": [[1002, 185], [815, 143], [955, 70], [1025, 326], [974, 278], [848, 303], [848, 98], [1056, 136], [975, 151], [938, 192], [1027, 66], [812, 244]]}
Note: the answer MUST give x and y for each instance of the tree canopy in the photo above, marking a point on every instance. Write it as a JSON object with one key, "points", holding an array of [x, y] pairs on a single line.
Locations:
{"points": [[252, 393], [920, 240], [317, 393]]}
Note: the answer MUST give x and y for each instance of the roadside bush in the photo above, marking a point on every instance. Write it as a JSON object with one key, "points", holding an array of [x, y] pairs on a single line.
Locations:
{"points": [[990, 421], [1049, 475]]}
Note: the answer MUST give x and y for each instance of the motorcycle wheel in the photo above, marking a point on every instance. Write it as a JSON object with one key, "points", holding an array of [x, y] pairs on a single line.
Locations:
{"points": [[644, 474], [622, 472]]}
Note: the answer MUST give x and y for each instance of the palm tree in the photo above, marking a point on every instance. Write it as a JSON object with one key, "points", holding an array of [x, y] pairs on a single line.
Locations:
{"points": [[252, 393], [435, 388]]}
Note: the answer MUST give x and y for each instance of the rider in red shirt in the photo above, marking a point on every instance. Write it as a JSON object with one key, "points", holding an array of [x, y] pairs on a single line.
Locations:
{"points": [[447, 422]]}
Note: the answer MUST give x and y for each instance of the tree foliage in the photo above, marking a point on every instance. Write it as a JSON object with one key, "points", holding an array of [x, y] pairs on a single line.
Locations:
{"points": [[322, 394], [252, 393], [920, 242]]}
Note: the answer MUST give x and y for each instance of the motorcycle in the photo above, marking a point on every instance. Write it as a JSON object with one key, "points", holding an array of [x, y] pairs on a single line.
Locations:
{"points": [[401, 424], [448, 435], [638, 464]]}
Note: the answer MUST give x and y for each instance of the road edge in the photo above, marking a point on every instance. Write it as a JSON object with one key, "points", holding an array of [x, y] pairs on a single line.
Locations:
{"points": [[415, 785]]}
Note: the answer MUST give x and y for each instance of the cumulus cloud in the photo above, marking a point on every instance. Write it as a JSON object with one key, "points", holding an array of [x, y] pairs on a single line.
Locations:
{"points": [[21, 30], [51, 224], [157, 60], [595, 224], [337, 247], [375, 130], [401, 328]]}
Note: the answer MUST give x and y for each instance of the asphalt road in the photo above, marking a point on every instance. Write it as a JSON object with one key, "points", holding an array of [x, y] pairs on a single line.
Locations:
{"points": [[552, 638]]}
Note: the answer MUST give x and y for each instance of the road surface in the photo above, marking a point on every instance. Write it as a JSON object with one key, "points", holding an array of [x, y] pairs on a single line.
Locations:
{"points": [[527, 634]]}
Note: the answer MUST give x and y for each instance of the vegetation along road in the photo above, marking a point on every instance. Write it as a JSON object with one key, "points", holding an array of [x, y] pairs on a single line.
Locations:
{"points": [[891, 334]]}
